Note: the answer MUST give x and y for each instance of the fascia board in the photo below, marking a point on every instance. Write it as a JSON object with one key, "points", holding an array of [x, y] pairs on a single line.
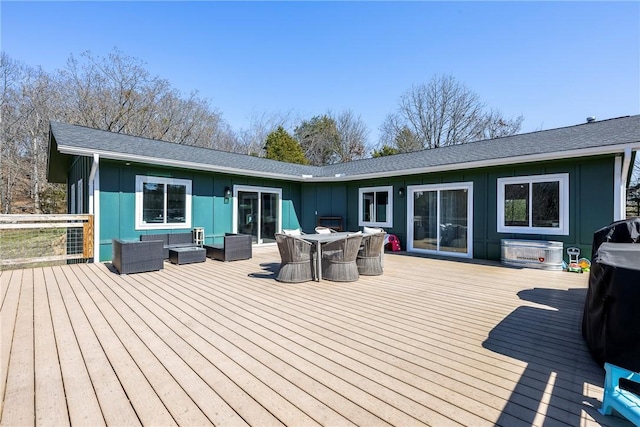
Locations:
{"points": [[110, 155], [557, 155]]}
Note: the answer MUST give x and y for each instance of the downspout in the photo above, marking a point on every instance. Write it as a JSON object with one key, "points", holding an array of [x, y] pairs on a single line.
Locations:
{"points": [[622, 165], [94, 204]]}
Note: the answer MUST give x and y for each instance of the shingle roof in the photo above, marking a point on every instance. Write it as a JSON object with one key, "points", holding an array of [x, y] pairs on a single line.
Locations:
{"points": [[77, 139], [600, 137]]}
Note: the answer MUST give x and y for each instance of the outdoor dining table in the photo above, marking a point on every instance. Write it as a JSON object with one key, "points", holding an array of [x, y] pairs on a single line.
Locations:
{"points": [[319, 239]]}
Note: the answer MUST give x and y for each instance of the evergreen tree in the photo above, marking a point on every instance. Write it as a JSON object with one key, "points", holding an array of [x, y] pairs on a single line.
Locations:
{"points": [[385, 150], [282, 146]]}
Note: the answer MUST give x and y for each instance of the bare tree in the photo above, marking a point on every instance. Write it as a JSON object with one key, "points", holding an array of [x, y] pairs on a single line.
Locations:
{"points": [[352, 138], [252, 140], [331, 138], [443, 112], [37, 109], [118, 94], [115, 93], [26, 106], [10, 72], [317, 138]]}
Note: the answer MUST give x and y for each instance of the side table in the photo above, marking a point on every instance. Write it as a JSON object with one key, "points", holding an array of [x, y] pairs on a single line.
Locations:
{"points": [[198, 236]]}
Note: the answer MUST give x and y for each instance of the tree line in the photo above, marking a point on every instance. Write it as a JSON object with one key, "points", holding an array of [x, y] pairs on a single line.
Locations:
{"points": [[117, 93]]}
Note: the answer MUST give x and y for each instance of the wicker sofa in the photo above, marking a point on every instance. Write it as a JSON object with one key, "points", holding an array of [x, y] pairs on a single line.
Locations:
{"points": [[170, 240], [137, 257], [235, 247]]}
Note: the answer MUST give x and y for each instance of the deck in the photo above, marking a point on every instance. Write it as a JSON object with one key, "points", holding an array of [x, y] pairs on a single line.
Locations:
{"points": [[431, 342]]}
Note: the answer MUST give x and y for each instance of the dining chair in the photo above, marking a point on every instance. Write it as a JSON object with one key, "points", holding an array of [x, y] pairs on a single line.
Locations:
{"points": [[297, 259], [369, 259], [339, 259]]}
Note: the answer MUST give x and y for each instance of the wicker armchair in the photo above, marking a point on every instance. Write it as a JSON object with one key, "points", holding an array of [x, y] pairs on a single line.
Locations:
{"points": [[369, 260], [137, 256], [339, 259], [234, 248], [297, 259]]}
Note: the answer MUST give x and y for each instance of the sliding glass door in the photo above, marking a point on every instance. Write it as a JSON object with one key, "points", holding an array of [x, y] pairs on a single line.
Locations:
{"points": [[440, 219], [258, 212]]}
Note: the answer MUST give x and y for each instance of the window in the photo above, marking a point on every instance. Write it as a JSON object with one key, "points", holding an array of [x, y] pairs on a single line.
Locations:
{"points": [[162, 203], [72, 199], [534, 204], [80, 204], [375, 207]]}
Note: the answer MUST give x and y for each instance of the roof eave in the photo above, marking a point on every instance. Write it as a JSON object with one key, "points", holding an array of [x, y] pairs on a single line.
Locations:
{"points": [[110, 155], [558, 155]]}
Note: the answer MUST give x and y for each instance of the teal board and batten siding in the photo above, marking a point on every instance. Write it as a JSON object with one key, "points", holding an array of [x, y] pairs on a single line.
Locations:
{"points": [[590, 201], [323, 199], [590, 178], [117, 201], [341, 199], [590, 204]]}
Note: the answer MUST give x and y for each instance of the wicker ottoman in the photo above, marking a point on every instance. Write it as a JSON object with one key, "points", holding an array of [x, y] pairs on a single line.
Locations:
{"points": [[187, 255]]}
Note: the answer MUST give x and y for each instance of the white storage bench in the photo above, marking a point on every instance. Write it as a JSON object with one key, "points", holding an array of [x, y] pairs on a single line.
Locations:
{"points": [[543, 254]]}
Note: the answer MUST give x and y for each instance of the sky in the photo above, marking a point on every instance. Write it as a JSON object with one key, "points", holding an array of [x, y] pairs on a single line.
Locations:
{"points": [[554, 63]]}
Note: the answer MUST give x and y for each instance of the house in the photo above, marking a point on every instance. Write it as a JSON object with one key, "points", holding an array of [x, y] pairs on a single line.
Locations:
{"points": [[559, 184]]}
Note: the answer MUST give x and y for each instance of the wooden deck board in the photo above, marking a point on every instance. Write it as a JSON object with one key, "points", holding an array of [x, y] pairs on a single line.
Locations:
{"points": [[19, 395], [112, 398], [50, 404], [148, 406], [149, 329], [311, 356], [430, 342], [344, 357], [80, 396], [8, 311]]}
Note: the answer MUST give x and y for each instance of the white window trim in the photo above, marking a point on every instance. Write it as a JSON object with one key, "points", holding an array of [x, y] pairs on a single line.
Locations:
{"points": [[440, 187], [140, 224], [562, 229], [252, 188], [389, 221]]}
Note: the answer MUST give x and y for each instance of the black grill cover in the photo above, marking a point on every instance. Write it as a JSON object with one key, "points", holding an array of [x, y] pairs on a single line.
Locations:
{"points": [[624, 231], [611, 320]]}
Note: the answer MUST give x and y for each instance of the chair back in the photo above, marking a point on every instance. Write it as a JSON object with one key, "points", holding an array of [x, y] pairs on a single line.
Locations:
{"points": [[371, 230], [344, 249], [180, 238], [148, 237], [352, 247], [293, 249], [324, 230], [373, 244], [292, 232]]}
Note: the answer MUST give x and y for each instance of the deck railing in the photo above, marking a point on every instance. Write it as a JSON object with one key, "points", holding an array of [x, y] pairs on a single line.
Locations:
{"points": [[27, 240]]}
